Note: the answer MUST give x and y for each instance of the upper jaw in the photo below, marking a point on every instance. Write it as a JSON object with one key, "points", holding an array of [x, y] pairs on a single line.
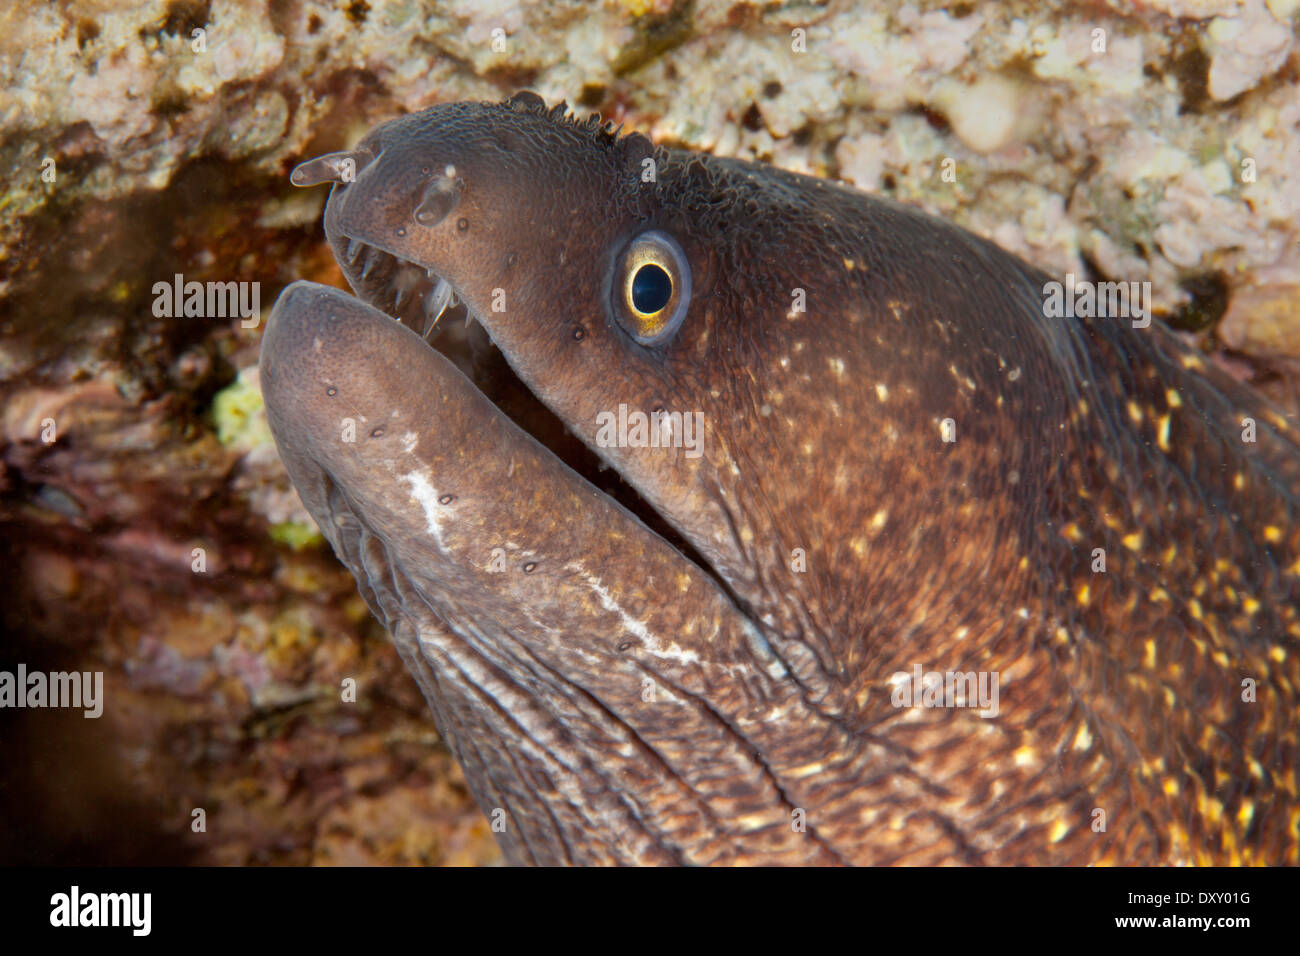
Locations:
{"points": [[413, 294], [371, 232]]}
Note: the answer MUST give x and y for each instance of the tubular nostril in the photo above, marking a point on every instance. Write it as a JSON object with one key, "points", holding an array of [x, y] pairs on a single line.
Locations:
{"points": [[440, 199], [331, 168]]}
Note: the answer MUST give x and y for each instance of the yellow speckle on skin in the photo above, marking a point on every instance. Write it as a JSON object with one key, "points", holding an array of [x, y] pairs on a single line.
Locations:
{"points": [[683, 583], [1249, 605], [1173, 398], [1083, 739], [837, 366], [1135, 412], [1213, 809], [879, 519], [1194, 606], [1059, 831], [1239, 481], [1024, 757], [882, 391], [1245, 813], [848, 264], [808, 769], [1162, 433], [1133, 541], [1171, 787], [1277, 653], [1082, 594], [1071, 532], [1159, 596], [1272, 534], [1149, 662]]}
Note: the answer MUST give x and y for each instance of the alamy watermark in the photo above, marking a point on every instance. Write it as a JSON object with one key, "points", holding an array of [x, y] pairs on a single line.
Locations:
{"points": [[1090, 300], [923, 688], [208, 300], [24, 688], [658, 429], [130, 910]]}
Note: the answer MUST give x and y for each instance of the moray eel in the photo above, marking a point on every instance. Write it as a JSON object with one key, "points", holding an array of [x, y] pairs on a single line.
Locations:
{"points": [[776, 644]]}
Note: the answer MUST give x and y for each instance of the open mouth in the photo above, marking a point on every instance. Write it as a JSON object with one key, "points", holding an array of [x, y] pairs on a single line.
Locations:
{"points": [[424, 302]]}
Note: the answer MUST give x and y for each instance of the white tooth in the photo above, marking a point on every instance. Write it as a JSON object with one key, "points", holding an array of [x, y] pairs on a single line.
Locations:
{"points": [[397, 299], [354, 246], [435, 304], [369, 264]]}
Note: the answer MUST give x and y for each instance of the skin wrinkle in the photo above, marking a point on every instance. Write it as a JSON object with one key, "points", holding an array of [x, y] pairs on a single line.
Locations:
{"points": [[498, 798], [755, 755], [571, 691], [660, 760], [462, 741], [972, 554], [484, 696], [495, 767], [561, 685], [504, 724], [447, 714]]}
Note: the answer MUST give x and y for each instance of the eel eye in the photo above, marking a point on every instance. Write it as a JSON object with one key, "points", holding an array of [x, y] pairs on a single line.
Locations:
{"points": [[652, 287]]}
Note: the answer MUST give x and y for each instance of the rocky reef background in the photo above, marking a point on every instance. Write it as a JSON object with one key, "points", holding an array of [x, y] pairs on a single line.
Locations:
{"points": [[1138, 141]]}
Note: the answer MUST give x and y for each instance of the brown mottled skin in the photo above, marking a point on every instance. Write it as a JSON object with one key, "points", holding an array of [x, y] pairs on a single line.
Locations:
{"points": [[615, 698]]}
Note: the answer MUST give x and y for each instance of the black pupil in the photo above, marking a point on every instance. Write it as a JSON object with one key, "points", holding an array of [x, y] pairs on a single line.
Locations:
{"points": [[652, 287]]}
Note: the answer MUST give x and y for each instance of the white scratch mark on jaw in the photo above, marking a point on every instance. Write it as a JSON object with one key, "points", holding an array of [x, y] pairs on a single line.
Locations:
{"points": [[638, 628], [427, 498], [409, 441]]}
